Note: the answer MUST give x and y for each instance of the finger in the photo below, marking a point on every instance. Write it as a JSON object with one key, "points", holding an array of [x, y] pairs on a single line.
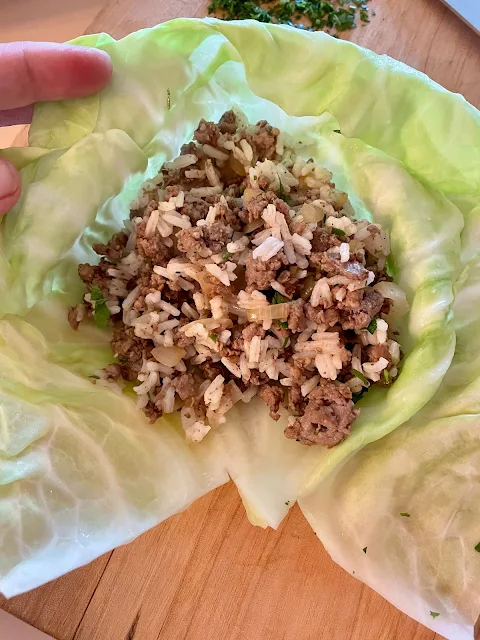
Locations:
{"points": [[22, 115], [10, 186], [38, 71]]}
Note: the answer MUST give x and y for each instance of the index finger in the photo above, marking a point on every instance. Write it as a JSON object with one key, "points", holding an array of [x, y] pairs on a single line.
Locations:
{"points": [[39, 71]]}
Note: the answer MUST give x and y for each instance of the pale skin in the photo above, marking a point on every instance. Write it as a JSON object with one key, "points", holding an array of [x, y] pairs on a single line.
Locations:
{"points": [[33, 72]]}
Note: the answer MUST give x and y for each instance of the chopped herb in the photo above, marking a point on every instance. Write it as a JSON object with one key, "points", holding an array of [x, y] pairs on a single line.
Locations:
{"points": [[213, 336], [287, 503], [360, 376], [283, 195], [372, 327], [169, 101], [477, 547], [278, 298], [255, 177], [284, 325], [338, 232], [434, 614], [94, 377], [318, 14], [227, 255], [405, 515], [101, 313], [387, 376], [337, 131], [364, 549], [285, 342]]}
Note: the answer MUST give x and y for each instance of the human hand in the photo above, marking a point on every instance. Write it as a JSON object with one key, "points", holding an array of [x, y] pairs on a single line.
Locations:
{"points": [[36, 71]]}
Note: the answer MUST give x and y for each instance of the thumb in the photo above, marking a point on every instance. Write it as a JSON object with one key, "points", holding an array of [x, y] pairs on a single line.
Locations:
{"points": [[10, 185]]}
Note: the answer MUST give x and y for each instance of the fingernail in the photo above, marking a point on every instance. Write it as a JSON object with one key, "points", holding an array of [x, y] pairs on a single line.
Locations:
{"points": [[9, 185]]}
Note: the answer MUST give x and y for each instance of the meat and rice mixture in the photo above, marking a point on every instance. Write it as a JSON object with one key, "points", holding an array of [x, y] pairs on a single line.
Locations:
{"points": [[242, 272]]}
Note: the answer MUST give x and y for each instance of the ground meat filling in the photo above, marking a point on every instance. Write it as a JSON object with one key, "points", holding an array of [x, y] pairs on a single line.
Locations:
{"points": [[240, 273], [328, 416]]}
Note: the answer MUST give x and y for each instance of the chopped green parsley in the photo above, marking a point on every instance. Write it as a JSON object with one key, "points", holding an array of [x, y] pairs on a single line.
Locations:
{"points": [[333, 16], [101, 313]]}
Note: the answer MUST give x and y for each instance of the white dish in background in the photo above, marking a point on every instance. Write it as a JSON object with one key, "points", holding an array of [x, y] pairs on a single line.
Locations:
{"points": [[467, 10]]}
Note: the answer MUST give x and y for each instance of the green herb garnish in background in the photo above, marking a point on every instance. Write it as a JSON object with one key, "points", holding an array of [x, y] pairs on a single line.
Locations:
{"points": [[278, 298], [213, 336], [338, 232], [332, 16], [477, 547], [227, 255], [364, 549], [434, 614], [405, 514], [372, 327], [283, 195], [283, 325], [101, 313]]}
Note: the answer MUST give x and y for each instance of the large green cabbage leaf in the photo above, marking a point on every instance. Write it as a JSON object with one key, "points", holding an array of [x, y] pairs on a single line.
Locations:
{"points": [[412, 498], [80, 470]]}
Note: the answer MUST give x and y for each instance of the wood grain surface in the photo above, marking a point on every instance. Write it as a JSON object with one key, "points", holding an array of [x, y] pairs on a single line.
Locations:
{"points": [[207, 574]]}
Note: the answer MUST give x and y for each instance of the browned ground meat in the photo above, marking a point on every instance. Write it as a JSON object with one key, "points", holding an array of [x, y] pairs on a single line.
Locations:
{"points": [[265, 140], [211, 369], [153, 247], [206, 133], [323, 240], [113, 249], [369, 307], [376, 351], [329, 317], [296, 402], [251, 330], [296, 316], [333, 267], [228, 122], [185, 386], [328, 416], [289, 282], [129, 350], [195, 209], [259, 274], [192, 148], [113, 371], [95, 275], [202, 242], [72, 318], [273, 398], [254, 208]]}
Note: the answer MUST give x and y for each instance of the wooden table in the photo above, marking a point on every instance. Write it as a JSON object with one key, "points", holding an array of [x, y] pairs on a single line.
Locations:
{"points": [[207, 574]]}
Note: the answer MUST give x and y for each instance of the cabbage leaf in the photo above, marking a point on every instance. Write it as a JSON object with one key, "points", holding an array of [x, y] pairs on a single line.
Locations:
{"points": [[81, 471]]}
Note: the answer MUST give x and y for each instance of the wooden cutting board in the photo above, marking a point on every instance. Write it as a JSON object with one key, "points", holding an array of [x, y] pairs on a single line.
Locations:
{"points": [[207, 574]]}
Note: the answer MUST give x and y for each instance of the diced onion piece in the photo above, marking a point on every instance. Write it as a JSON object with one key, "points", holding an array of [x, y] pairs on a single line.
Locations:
{"points": [[250, 193], [236, 166], [208, 287], [393, 292], [272, 312], [254, 224], [311, 213], [168, 356]]}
